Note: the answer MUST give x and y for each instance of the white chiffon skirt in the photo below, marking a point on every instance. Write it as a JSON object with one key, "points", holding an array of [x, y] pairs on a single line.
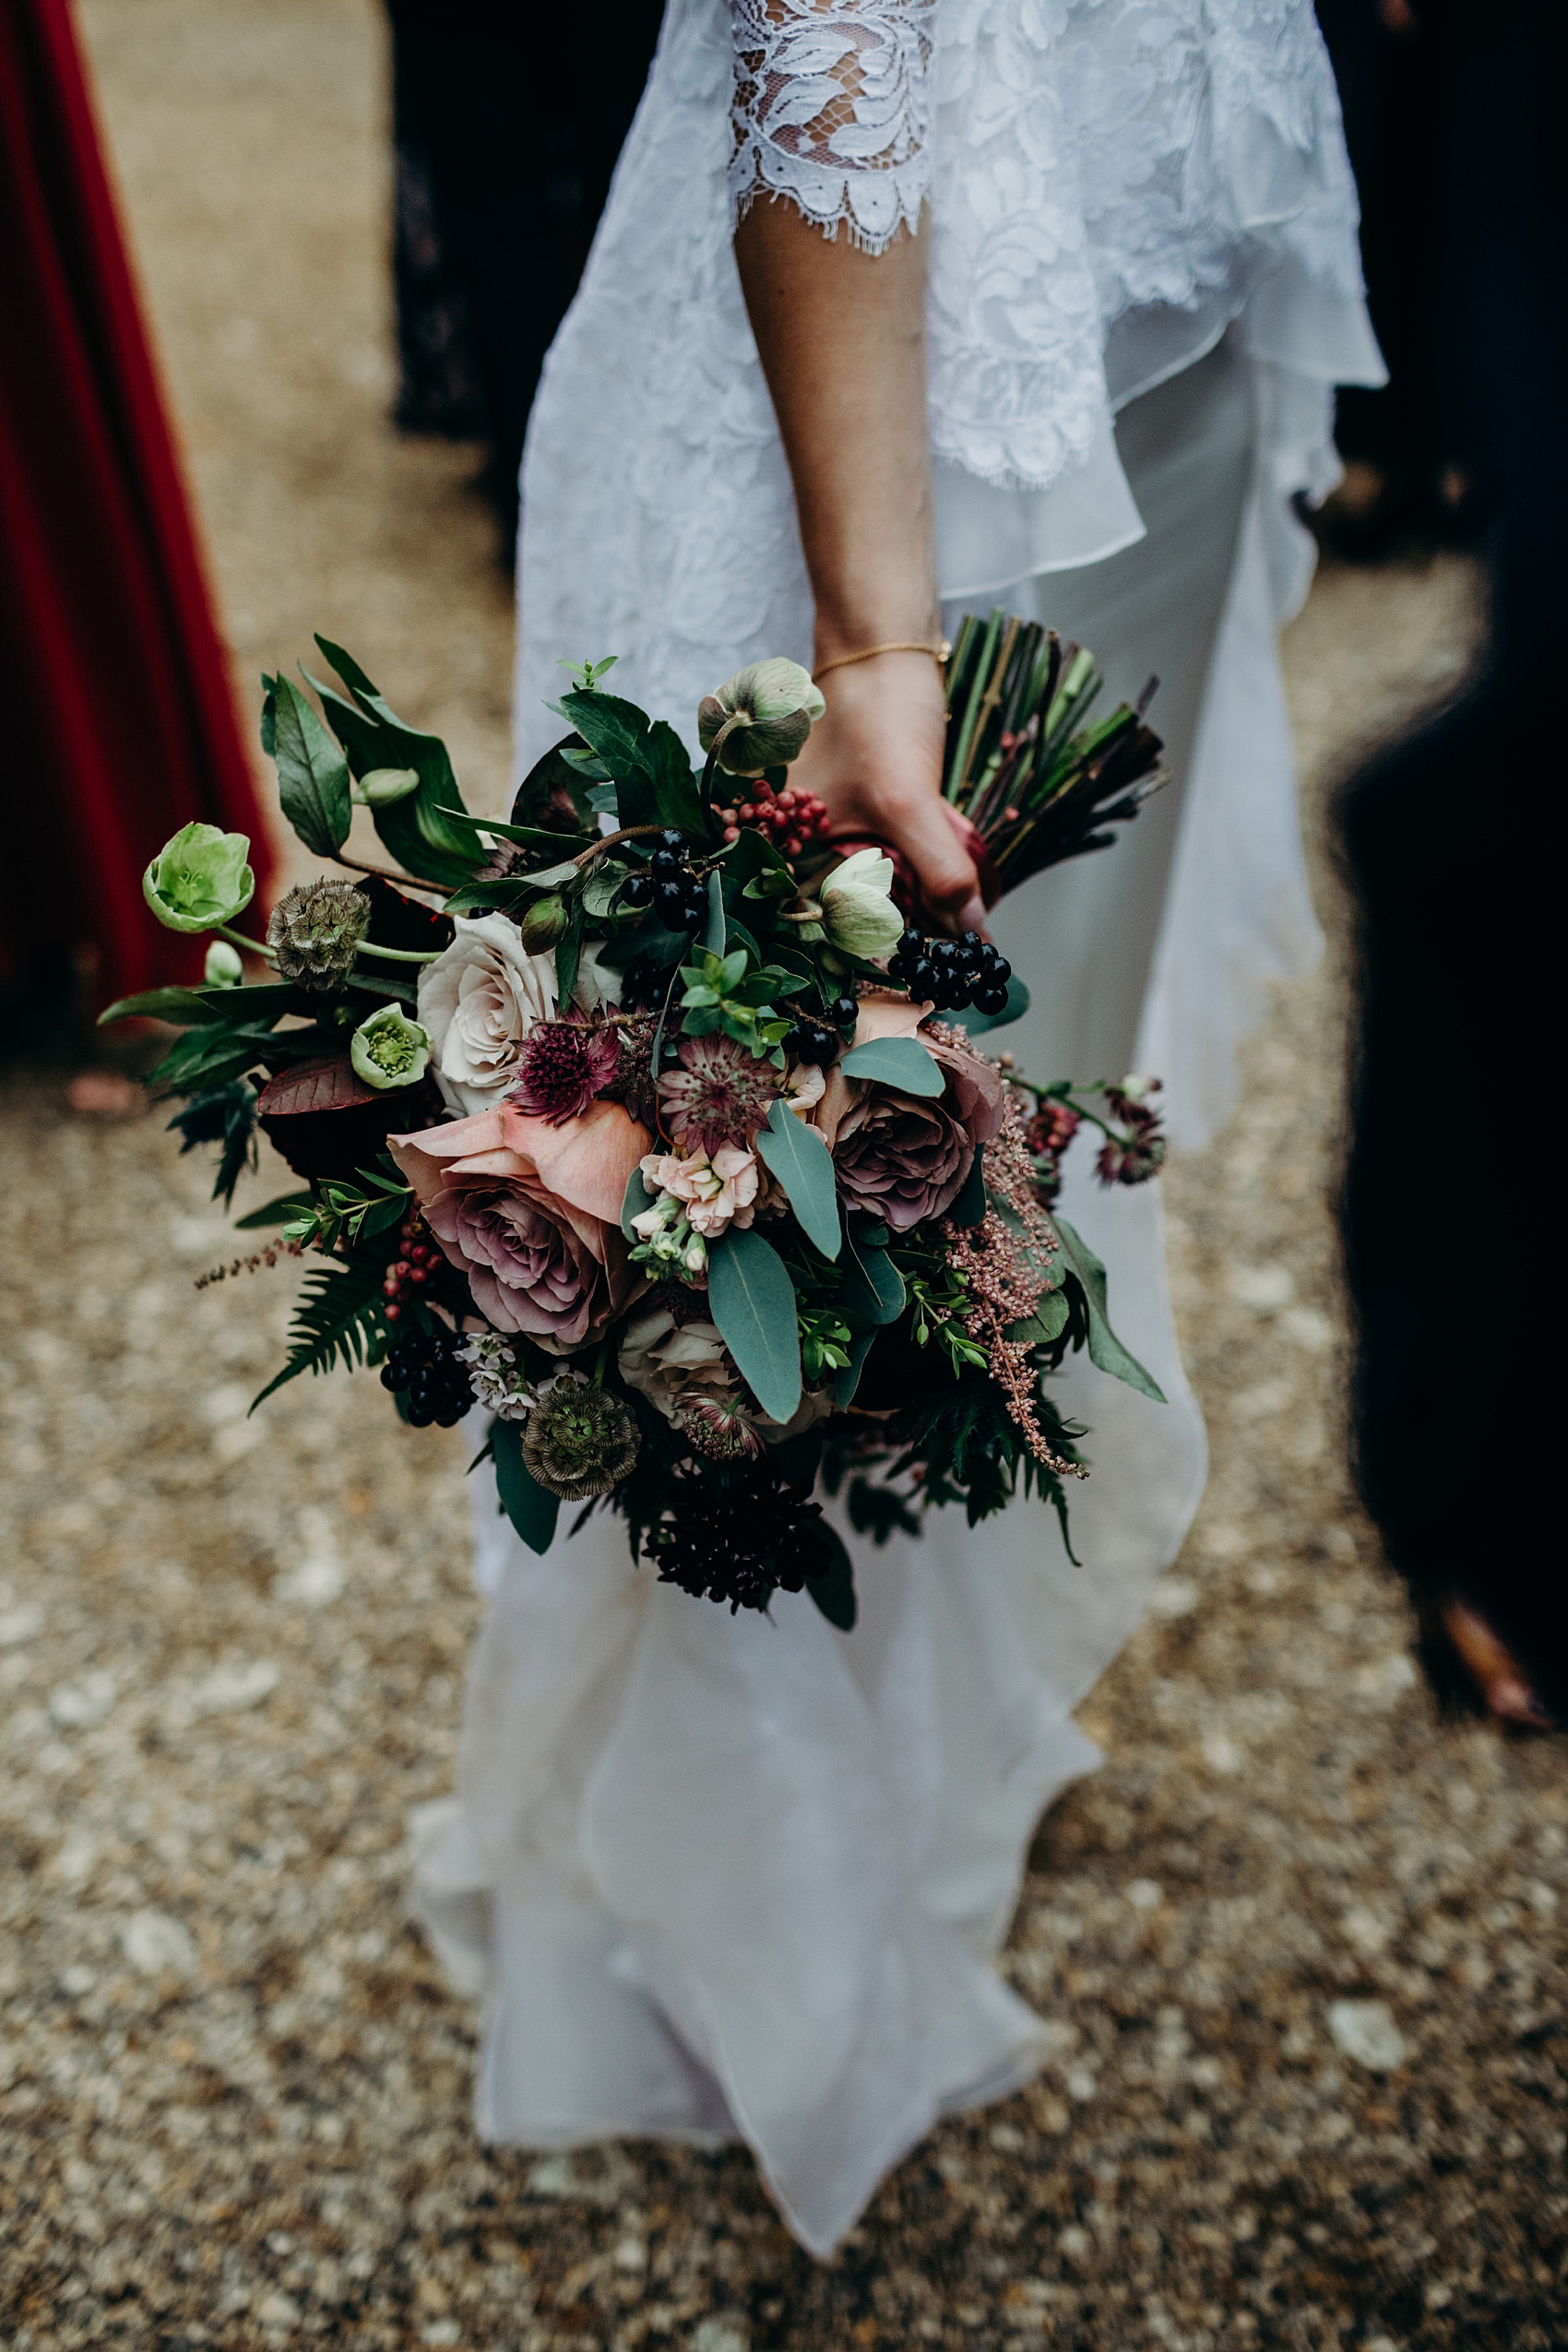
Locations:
{"points": [[719, 1877]]}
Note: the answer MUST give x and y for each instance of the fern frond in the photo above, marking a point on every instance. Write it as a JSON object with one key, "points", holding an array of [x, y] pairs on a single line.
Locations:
{"points": [[337, 1320]]}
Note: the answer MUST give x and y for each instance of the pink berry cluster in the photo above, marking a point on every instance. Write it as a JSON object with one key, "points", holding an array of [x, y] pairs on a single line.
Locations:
{"points": [[792, 820], [416, 1264]]}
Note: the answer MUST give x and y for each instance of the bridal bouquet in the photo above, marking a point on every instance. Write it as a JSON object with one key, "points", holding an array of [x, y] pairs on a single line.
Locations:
{"points": [[663, 1136]]}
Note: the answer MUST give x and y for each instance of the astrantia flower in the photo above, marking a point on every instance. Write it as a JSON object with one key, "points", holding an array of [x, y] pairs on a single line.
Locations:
{"points": [[578, 1440], [496, 1376], [563, 1066], [316, 933], [721, 1094]]}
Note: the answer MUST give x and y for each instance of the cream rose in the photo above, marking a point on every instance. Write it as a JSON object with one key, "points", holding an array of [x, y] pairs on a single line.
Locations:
{"points": [[477, 1004]]}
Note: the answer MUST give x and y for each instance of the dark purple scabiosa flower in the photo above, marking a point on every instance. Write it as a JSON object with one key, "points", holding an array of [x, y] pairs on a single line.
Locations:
{"points": [[720, 1094], [738, 1538], [562, 1067]]}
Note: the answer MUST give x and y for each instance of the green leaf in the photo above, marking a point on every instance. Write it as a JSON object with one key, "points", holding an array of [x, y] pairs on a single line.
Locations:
{"points": [[313, 775], [420, 836], [180, 1006], [652, 772], [1105, 1348], [803, 1165], [532, 1511], [849, 1380], [569, 955], [1017, 1005], [604, 879], [872, 1288], [675, 788], [834, 1593], [900, 1062], [1046, 1322], [752, 1300], [635, 1201], [969, 1207], [276, 1212], [267, 729]]}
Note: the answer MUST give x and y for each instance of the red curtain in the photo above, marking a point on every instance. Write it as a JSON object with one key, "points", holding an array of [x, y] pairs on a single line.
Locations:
{"points": [[116, 726]]}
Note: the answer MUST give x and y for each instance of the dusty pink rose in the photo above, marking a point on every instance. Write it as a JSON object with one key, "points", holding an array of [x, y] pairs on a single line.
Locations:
{"points": [[530, 1213], [904, 1158], [716, 1191]]}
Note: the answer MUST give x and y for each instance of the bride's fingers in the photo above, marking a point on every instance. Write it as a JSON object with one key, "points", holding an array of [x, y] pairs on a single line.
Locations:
{"points": [[949, 883]]}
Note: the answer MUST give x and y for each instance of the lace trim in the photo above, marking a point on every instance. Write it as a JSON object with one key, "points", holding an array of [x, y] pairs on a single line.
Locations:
{"points": [[832, 109]]}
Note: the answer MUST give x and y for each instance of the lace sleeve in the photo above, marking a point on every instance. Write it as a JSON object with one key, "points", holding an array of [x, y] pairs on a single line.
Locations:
{"points": [[832, 108]]}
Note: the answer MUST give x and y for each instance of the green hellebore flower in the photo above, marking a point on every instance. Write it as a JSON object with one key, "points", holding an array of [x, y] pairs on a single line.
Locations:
{"points": [[858, 913], [760, 719], [389, 1050], [382, 786], [223, 967], [200, 879]]}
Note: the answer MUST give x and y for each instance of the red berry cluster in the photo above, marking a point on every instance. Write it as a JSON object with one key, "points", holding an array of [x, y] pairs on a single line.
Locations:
{"points": [[418, 1262], [792, 819]]}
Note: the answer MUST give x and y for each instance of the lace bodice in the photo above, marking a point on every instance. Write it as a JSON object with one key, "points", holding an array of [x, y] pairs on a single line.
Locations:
{"points": [[1108, 183]]}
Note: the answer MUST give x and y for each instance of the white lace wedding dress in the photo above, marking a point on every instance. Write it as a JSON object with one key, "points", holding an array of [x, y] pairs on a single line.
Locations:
{"points": [[719, 1876]]}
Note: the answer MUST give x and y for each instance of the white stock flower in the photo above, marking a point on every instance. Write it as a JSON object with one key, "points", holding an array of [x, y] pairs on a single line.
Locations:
{"points": [[858, 913], [478, 1002]]}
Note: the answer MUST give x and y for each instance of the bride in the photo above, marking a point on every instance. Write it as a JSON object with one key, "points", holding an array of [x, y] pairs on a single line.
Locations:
{"points": [[902, 307]]}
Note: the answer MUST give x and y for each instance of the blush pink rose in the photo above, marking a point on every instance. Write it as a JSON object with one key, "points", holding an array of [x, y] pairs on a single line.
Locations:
{"points": [[529, 1212], [904, 1158]]}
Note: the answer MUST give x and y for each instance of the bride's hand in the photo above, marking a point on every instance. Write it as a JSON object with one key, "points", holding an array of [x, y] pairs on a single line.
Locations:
{"points": [[876, 758]]}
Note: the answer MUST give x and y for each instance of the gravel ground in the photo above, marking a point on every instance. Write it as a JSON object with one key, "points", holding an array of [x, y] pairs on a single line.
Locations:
{"points": [[1298, 1941]]}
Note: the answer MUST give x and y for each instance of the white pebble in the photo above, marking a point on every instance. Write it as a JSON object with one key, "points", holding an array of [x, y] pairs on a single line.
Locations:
{"points": [[76, 1706], [1221, 1754], [1365, 2031], [312, 1581], [1144, 1894], [158, 1945], [1264, 1288], [1307, 1327], [20, 1625], [228, 1689], [1173, 1597], [722, 2335]]}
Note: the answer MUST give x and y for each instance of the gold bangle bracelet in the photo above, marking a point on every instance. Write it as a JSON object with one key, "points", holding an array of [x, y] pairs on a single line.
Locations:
{"points": [[938, 653]]}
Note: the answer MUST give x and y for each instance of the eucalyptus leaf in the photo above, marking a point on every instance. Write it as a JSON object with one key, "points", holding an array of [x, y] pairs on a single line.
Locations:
{"points": [[846, 1382], [713, 938], [798, 1156], [1017, 1005], [635, 1201], [752, 1300], [900, 1062], [1105, 1348], [871, 1289], [313, 775], [532, 1511]]}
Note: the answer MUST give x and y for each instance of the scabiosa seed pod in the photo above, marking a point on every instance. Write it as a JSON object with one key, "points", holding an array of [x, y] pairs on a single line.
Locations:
{"points": [[578, 1440], [316, 933]]}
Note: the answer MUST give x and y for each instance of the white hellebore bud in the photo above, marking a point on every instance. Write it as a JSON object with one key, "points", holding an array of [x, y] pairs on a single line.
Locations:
{"points": [[858, 913], [760, 719], [223, 967], [389, 1050]]}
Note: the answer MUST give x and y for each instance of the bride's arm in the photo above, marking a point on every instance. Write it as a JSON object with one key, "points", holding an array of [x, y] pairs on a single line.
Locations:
{"points": [[841, 335]]}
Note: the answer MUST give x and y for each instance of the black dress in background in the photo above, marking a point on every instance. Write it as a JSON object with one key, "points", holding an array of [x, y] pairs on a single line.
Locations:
{"points": [[508, 123], [1452, 840]]}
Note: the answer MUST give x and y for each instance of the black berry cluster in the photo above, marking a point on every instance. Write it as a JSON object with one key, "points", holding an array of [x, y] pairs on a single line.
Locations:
{"points": [[953, 974], [678, 896], [423, 1366], [643, 985], [819, 1041]]}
